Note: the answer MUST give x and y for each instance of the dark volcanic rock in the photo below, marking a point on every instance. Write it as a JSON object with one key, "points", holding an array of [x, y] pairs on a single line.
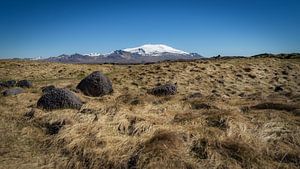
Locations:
{"points": [[47, 88], [164, 90], [13, 91], [9, 83], [24, 83], [59, 99], [95, 84]]}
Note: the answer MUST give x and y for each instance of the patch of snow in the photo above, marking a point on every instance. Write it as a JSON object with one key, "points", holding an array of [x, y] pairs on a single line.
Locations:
{"points": [[37, 58], [93, 54], [154, 49]]}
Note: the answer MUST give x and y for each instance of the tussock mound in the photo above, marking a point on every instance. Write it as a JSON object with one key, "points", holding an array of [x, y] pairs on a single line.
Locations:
{"points": [[95, 84], [59, 99], [24, 84], [164, 90], [165, 149], [13, 91], [275, 106], [54, 127]]}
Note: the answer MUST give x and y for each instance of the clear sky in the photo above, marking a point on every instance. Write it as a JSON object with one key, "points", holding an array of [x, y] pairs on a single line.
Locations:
{"points": [[31, 28]]}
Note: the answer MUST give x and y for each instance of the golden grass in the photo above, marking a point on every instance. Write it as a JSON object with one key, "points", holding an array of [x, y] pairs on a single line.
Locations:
{"points": [[237, 120]]}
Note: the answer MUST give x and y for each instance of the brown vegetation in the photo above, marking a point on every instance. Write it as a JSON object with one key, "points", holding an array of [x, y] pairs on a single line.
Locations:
{"points": [[225, 114]]}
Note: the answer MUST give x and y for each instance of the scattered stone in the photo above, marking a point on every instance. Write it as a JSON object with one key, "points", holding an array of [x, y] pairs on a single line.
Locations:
{"points": [[58, 99], [13, 91], [164, 90], [24, 84], [47, 88], [9, 83], [95, 84]]}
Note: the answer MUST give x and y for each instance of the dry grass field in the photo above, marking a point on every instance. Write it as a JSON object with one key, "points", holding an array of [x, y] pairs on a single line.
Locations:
{"points": [[225, 115]]}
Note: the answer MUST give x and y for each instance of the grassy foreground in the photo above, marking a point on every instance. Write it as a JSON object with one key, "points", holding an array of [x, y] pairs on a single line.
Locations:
{"points": [[226, 114]]}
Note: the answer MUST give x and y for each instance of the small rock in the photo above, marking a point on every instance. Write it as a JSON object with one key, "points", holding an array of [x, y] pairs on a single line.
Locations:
{"points": [[24, 84], [9, 83], [163, 90], [13, 91]]}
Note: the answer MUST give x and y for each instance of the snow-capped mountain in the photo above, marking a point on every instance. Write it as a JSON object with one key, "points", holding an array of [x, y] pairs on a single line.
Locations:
{"points": [[154, 50], [142, 54]]}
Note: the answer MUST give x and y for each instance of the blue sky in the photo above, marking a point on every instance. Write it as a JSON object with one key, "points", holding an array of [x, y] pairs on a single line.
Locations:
{"points": [[30, 28]]}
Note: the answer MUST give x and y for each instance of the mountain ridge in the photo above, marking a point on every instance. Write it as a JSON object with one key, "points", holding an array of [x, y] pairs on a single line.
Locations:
{"points": [[142, 54]]}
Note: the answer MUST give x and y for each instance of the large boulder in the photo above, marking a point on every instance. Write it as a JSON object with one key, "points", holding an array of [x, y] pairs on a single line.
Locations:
{"points": [[95, 84], [164, 90], [46, 89], [24, 84], [58, 99], [13, 91]]}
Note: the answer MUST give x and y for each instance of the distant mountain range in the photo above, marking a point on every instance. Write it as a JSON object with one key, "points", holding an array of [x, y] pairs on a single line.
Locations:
{"points": [[148, 53], [142, 54]]}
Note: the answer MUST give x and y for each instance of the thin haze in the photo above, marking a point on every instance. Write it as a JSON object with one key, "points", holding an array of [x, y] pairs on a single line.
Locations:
{"points": [[46, 28]]}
